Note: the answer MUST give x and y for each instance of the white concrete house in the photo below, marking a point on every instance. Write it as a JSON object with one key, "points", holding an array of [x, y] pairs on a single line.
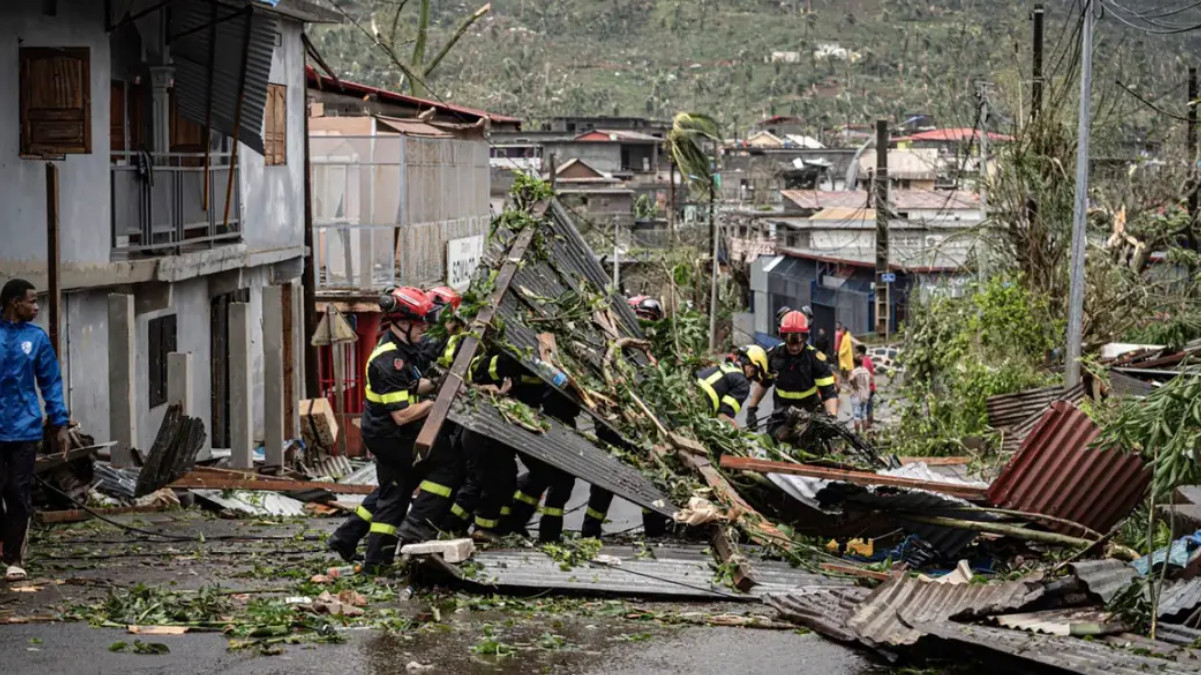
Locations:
{"points": [[171, 237]]}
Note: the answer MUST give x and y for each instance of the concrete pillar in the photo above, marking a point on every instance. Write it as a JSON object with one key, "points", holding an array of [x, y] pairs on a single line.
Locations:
{"points": [[241, 417], [179, 381], [122, 389], [160, 82], [273, 374]]}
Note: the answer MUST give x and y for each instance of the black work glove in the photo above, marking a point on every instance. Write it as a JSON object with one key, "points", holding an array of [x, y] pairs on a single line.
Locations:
{"points": [[752, 417]]}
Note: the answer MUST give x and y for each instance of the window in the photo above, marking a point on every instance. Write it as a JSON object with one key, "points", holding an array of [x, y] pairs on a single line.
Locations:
{"points": [[56, 101], [162, 342], [275, 126]]}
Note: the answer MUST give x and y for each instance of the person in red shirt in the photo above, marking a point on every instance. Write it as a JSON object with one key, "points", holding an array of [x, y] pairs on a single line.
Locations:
{"points": [[871, 368]]}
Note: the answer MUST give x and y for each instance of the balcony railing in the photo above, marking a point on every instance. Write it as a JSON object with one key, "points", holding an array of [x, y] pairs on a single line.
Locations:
{"points": [[158, 203]]}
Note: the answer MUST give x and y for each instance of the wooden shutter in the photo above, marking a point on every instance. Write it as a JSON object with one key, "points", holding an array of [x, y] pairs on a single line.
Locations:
{"points": [[275, 125], [56, 101]]}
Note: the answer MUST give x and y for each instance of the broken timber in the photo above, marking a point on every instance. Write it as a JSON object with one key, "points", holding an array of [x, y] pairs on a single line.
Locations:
{"points": [[455, 377], [865, 478], [250, 482], [758, 528]]}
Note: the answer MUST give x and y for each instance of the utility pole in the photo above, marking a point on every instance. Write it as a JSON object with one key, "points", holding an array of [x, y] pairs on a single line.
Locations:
{"points": [[1192, 158], [1080, 217], [1036, 88], [883, 287], [616, 258], [982, 181], [713, 233]]}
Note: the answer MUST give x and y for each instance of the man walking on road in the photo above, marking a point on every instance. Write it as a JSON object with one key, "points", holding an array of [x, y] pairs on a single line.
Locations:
{"points": [[28, 365]]}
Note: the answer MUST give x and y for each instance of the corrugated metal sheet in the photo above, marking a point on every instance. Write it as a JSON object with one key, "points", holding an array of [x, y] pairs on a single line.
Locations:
{"points": [[1103, 578], [565, 449], [1056, 473], [1074, 655], [885, 617], [1122, 384], [1180, 598], [1177, 634], [1008, 410], [671, 571], [1069, 621], [823, 609], [253, 503], [192, 53]]}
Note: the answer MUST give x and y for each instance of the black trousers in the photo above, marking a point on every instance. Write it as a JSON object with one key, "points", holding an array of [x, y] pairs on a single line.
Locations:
{"points": [[541, 478], [16, 485], [496, 476], [388, 508], [599, 500], [467, 497]]}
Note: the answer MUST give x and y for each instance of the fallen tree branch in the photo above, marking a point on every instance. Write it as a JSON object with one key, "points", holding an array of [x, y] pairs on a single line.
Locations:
{"points": [[1002, 529]]}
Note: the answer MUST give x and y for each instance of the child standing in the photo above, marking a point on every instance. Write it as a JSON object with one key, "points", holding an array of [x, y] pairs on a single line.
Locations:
{"points": [[861, 349], [861, 392]]}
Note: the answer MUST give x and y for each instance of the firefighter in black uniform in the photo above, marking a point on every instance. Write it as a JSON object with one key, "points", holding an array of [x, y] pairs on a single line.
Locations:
{"points": [[390, 423], [647, 309], [544, 478], [726, 386], [801, 377]]}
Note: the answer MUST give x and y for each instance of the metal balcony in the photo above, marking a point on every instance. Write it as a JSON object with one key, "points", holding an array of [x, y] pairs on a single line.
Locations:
{"points": [[158, 203]]}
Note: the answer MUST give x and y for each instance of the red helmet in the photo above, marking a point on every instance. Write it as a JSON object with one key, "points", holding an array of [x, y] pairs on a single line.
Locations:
{"points": [[406, 304], [646, 307], [794, 322], [445, 295]]}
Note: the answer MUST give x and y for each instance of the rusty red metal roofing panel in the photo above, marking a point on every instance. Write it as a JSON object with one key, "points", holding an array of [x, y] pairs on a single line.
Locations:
{"points": [[326, 82], [960, 134], [1056, 473]]}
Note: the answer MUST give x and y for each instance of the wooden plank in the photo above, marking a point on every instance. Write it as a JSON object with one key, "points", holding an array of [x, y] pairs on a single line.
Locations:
{"points": [[727, 550], [864, 478], [937, 461], [250, 482], [852, 570], [48, 462], [759, 529], [453, 381]]}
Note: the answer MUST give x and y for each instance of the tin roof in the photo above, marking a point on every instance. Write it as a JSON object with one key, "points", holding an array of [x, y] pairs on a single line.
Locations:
{"points": [[617, 135], [821, 608], [1064, 621], [956, 134], [1006, 410], [1103, 578], [939, 200], [327, 83], [1180, 598], [889, 614], [1056, 473], [1015, 434], [1071, 654]]}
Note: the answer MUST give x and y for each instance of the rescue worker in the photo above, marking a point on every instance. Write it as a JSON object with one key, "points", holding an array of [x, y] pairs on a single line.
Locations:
{"points": [[390, 423], [801, 378], [446, 299], [726, 386], [544, 478], [646, 307]]}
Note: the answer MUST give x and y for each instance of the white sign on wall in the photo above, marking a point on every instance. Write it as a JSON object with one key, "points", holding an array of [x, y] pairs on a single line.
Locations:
{"points": [[462, 257]]}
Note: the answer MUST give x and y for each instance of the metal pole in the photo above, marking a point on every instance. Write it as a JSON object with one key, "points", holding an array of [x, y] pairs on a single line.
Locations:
{"points": [[52, 256], [1036, 89], [1192, 157], [982, 181], [312, 381], [616, 264], [1080, 217], [883, 288], [713, 234]]}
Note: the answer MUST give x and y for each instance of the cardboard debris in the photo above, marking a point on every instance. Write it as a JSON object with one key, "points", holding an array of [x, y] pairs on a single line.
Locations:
{"points": [[698, 512]]}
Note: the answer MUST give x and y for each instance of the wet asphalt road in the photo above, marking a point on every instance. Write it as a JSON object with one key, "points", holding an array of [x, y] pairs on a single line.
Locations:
{"points": [[72, 649]]}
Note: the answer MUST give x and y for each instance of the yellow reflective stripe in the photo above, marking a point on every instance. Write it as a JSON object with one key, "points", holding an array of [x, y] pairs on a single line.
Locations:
{"points": [[824, 381], [505, 510], [448, 354], [732, 402], [386, 399], [795, 394], [531, 379], [492, 369], [708, 389], [551, 511], [730, 368], [459, 511], [523, 497], [486, 523], [383, 528], [594, 514], [363, 513], [435, 488]]}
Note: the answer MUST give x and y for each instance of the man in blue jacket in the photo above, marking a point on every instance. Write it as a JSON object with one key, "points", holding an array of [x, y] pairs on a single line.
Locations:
{"points": [[27, 365]]}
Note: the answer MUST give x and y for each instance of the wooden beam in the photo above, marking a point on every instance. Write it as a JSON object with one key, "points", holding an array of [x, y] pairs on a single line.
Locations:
{"points": [[759, 529], [79, 515], [454, 379], [212, 482], [865, 478], [48, 462], [854, 571], [744, 575]]}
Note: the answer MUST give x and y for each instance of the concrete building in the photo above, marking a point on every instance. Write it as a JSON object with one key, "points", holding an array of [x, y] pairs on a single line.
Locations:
{"points": [[172, 237]]}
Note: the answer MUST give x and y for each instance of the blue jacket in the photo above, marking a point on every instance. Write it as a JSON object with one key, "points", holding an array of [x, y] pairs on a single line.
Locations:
{"points": [[27, 365]]}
